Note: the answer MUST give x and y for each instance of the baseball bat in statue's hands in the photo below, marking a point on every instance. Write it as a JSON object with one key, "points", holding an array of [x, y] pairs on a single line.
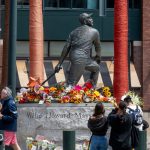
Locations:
{"points": [[58, 67]]}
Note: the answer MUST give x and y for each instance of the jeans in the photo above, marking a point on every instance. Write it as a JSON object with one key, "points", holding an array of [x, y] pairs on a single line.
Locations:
{"points": [[98, 143], [121, 148]]}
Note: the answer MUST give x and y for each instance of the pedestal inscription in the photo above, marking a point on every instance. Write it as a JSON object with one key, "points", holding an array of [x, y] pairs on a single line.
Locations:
{"points": [[50, 121]]}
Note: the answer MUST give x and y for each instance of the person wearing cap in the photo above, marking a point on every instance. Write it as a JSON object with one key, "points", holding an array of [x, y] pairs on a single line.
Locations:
{"points": [[132, 106], [79, 47], [135, 110]]}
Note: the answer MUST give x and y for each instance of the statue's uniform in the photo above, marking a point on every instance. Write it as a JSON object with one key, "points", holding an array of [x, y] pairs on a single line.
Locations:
{"points": [[80, 42]]}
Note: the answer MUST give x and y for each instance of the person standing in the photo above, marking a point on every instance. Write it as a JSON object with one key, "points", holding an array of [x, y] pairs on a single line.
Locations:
{"points": [[139, 124], [98, 125], [121, 125], [79, 47], [8, 118], [132, 109]]}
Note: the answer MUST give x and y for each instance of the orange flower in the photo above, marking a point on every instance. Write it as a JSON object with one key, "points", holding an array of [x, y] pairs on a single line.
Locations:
{"points": [[33, 82], [52, 89]]}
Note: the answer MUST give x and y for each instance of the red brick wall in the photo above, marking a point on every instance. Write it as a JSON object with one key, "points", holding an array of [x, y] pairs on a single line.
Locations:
{"points": [[146, 55]]}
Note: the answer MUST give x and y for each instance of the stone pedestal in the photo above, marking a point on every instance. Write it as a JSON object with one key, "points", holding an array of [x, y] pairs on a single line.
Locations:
{"points": [[51, 121]]}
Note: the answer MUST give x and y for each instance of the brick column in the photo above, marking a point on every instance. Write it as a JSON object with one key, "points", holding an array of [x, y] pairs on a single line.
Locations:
{"points": [[146, 54]]}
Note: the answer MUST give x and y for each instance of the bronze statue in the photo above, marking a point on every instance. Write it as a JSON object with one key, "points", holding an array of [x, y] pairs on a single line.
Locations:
{"points": [[79, 47]]}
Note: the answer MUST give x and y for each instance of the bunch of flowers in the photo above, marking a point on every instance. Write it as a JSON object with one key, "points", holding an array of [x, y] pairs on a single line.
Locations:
{"points": [[61, 93], [136, 99], [82, 146], [39, 144], [106, 91]]}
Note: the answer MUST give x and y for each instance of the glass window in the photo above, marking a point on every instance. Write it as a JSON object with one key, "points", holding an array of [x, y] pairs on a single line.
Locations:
{"points": [[23, 2], [65, 3], [110, 4], [107, 49], [56, 48], [57, 3], [92, 4], [137, 3], [130, 3], [2, 2], [78, 3], [51, 3], [22, 49], [87, 4]]}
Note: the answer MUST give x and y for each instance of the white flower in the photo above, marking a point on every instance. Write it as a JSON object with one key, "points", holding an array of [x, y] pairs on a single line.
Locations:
{"points": [[137, 100]]}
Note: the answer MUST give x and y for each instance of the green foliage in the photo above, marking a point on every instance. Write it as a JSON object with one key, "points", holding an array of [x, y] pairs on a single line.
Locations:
{"points": [[136, 99]]}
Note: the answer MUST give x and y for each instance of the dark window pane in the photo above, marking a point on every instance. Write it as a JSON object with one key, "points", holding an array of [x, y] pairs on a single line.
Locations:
{"points": [[23, 2], [110, 4], [134, 4], [3, 2], [137, 3], [90, 4], [78, 3], [130, 3], [57, 3], [51, 3], [65, 3]]}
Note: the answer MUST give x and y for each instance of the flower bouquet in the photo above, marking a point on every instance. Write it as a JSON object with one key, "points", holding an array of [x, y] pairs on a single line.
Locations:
{"points": [[35, 93], [39, 144], [136, 99]]}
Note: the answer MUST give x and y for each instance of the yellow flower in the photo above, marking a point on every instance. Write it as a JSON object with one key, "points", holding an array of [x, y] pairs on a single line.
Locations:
{"points": [[108, 94], [96, 93], [106, 89], [41, 88]]}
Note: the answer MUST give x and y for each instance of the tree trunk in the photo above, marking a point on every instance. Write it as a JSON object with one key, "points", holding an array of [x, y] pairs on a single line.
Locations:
{"points": [[121, 84], [36, 40]]}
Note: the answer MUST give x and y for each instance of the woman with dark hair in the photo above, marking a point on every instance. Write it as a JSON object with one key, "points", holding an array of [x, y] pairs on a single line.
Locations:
{"points": [[98, 125], [121, 125]]}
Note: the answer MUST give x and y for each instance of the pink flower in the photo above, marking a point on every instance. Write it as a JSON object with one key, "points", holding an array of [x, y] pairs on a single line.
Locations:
{"points": [[77, 87]]}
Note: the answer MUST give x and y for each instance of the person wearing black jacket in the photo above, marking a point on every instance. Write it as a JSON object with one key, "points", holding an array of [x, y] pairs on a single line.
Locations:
{"points": [[98, 125], [121, 125], [8, 118]]}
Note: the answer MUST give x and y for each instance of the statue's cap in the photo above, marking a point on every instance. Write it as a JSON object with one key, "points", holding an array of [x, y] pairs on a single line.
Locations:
{"points": [[84, 16]]}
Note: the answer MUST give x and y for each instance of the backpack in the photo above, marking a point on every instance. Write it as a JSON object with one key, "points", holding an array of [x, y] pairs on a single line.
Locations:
{"points": [[136, 116]]}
